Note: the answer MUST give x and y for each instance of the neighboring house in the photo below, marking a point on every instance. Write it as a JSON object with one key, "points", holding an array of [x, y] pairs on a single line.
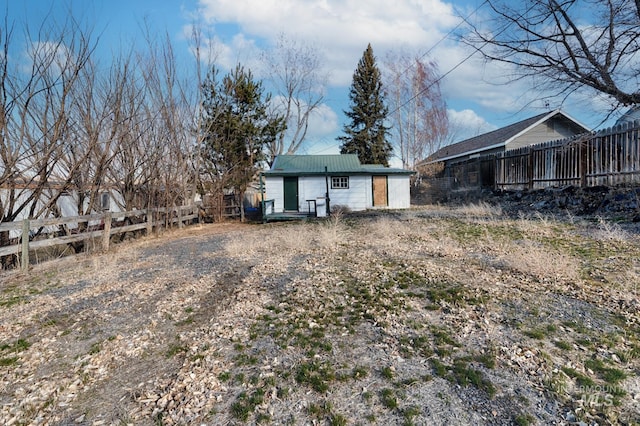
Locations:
{"points": [[541, 128], [301, 183], [630, 116], [471, 161]]}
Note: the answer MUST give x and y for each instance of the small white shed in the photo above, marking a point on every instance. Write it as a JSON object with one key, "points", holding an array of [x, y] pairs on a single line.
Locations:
{"points": [[309, 184]]}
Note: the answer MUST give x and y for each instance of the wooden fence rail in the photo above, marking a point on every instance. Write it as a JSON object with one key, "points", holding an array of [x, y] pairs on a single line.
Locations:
{"points": [[609, 157], [104, 226]]}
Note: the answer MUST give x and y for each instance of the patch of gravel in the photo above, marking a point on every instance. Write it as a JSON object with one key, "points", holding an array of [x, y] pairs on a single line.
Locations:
{"points": [[429, 316]]}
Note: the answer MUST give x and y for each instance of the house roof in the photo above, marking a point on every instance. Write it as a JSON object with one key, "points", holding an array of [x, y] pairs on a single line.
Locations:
{"points": [[496, 138], [307, 165], [631, 115]]}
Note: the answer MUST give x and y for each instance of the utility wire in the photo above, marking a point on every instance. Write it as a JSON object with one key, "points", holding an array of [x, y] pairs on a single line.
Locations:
{"points": [[459, 63], [453, 29], [446, 36]]}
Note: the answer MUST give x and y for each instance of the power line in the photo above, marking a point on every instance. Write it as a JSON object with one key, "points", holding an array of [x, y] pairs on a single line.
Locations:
{"points": [[459, 63], [446, 36], [454, 28], [436, 81]]}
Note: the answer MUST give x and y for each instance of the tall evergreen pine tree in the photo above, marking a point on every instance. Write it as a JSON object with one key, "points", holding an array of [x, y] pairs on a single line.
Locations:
{"points": [[366, 134]]}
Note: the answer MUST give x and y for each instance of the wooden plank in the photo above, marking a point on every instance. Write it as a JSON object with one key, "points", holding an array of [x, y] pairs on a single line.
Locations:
{"points": [[26, 225], [10, 226], [529, 171], [24, 239], [149, 222], [128, 228], [132, 213], [66, 239], [7, 250], [379, 184], [54, 221], [632, 173], [106, 232]]}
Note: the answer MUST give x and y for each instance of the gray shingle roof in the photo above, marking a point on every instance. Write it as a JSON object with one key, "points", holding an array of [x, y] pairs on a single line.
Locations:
{"points": [[491, 139]]}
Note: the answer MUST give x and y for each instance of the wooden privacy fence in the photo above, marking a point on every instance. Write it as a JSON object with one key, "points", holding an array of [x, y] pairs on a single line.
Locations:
{"points": [[90, 227], [475, 172], [609, 157]]}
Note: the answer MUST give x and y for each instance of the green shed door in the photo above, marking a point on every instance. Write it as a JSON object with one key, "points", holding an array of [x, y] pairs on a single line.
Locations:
{"points": [[291, 193]]}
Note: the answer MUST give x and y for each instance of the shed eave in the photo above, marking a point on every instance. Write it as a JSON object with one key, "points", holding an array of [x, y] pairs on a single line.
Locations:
{"points": [[380, 171]]}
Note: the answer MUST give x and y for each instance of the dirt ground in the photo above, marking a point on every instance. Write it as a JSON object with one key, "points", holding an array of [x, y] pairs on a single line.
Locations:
{"points": [[431, 316]]}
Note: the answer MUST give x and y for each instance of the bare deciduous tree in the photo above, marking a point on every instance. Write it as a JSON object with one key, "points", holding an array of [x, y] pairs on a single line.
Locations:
{"points": [[98, 114], [71, 126], [37, 119], [171, 100], [417, 110], [36, 104], [295, 70], [205, 53], [567, 44], [152, 159]]}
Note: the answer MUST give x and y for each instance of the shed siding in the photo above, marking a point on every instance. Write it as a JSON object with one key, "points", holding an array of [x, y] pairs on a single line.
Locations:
{"points": [[357, 197], [311, 188], [399, 192]]}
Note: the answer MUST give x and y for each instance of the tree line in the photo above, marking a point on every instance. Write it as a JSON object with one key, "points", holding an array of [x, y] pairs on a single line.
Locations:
{"points": [[159, 133], [138, 125], [72, 125]]}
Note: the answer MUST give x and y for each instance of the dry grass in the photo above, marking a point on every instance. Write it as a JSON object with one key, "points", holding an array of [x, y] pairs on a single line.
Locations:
{"points": [[330, 233], [610, 231], [479, 210], [429, 316]]}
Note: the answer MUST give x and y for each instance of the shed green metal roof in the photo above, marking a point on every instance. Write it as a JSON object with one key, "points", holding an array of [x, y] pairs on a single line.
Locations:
{"points": [[301, 165]]}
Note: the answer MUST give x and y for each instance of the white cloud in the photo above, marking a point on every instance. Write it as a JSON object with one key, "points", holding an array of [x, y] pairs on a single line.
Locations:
{"points": [[238, 50], [484, 83], [466, 124], [53, 57], [323, 122], [342, 28]]}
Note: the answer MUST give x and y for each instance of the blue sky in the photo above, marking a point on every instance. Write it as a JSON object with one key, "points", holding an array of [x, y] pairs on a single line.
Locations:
{"points": [[238, 30]]}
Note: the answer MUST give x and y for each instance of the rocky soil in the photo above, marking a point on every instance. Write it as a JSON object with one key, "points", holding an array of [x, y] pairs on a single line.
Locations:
{"points": [[430, 316]]}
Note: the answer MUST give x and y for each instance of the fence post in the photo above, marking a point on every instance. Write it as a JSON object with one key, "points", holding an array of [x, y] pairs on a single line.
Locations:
{"points": [[149, 221], [24, 237], [530, 166], [497, 169], [582, 149], [106, 232]]}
